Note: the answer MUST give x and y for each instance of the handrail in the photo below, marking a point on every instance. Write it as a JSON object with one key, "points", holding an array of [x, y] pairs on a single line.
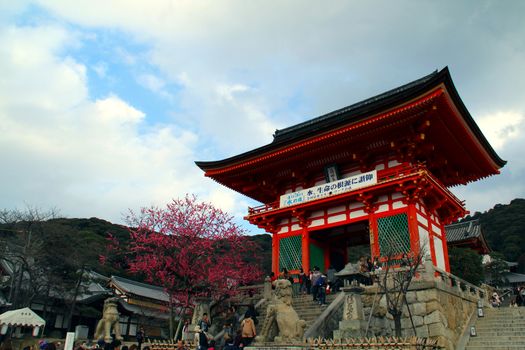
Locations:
{"points": [[460, 283]]}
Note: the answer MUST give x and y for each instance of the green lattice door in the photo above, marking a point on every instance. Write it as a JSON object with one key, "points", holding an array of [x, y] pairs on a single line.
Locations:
{"points": [[393, 235], [290, 253], [316, 257]]}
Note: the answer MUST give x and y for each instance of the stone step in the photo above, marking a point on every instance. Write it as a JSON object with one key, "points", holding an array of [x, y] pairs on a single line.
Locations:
{"points": [[501, 320], [501, 325], [505, 322], [500, 343], [495, 347], [499, 332]]}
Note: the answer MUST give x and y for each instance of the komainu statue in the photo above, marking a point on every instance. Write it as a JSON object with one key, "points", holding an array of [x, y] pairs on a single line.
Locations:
{"points": [[109, 321], [280, 310]]}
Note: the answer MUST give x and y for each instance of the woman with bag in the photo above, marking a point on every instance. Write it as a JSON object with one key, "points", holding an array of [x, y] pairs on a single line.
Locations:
{"points": [[248, 330]]}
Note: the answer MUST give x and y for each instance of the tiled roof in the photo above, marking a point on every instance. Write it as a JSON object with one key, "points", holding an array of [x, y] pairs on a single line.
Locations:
{"points": [[360, 111], [140, 289], [463, 230], [359, 106], [144, 311], [513, 277]]}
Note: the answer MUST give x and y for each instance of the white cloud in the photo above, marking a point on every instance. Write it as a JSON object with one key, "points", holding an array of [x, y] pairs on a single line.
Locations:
{"points": [[89, 158], [243, 69], [502, 126]]}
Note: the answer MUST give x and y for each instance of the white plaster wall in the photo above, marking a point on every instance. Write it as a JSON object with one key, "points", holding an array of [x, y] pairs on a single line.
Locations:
{"points": [[336, 218], [398, 204], [337, 209], [438, 248], [424, 242], [317, 222], [357, 214], [422, 219]]}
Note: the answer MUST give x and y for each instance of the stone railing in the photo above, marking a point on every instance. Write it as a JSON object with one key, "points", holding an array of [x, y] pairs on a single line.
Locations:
{"points": [[462, 287]]}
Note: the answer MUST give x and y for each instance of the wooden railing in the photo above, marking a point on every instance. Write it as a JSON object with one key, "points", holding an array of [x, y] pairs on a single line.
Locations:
{"points": [[374, 343]]}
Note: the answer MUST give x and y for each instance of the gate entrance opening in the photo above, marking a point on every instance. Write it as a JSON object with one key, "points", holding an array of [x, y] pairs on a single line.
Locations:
{"points": [[341, 245]]}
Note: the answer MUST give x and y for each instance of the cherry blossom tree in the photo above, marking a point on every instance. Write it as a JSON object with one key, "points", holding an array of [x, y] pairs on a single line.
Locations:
{"points": [[192, 249]]}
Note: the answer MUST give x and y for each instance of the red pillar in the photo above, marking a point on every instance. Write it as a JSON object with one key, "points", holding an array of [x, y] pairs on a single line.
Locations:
{"points": [[275, 254], [305, 247], [374, 237]]}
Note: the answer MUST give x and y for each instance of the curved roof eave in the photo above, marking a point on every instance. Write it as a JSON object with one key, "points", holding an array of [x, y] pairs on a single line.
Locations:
{"points": [[357, 112]]}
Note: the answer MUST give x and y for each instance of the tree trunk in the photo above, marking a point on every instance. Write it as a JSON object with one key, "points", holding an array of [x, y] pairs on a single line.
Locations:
{"points": [[397, 323], [18, 288], [46, 299], [171, 319], [179, 326], [74, 301]]}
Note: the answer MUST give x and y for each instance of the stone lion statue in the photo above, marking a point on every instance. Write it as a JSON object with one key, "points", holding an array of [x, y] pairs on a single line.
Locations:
{"points": [[109, 321], [280, 311]]}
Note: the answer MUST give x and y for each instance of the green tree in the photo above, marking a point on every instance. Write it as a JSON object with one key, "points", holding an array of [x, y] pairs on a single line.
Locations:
{"points": [[466, 264], [495, 270]]}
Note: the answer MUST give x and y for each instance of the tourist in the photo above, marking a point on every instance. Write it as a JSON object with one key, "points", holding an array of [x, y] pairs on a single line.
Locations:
{"points": [[377, 265], [227, 334], [521, 294], [237, 342], [186, 333], [495, 300], [229, 343], [330, 278], [252, 313], [309, 282], [321, 290], [272, 276], [369, 264], [315, 277], [196, 336], [302, 282], [248, 330], [234, 318], [140, 337], [404, 260], [204, 323], [201, 338]]}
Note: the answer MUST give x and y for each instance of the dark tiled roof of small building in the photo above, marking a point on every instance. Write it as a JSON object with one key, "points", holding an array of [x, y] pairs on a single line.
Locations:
{"points": [[513, 277], [140, 289], [463, 230]]}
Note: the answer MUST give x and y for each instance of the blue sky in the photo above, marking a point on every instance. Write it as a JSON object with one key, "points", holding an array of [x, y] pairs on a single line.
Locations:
{"points": [[105, 105]]}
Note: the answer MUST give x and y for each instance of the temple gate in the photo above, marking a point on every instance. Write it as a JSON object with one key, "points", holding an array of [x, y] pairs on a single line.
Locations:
{"points": [[372, 175]]}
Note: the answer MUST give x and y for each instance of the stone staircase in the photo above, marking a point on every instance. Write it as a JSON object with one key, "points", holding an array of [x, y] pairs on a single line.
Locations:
{"points": [[307, 309], [500, 328]]}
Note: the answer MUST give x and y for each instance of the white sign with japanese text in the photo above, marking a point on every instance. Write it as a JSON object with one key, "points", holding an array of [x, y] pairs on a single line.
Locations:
{"points": [[329, 189]]}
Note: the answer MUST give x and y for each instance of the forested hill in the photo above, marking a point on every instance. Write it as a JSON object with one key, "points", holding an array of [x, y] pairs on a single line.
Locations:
{"points": [[503, 225], [504, 228], [86, 239]]}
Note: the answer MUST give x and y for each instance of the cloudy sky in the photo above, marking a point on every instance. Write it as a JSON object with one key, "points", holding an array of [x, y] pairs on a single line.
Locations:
{"points": [[105, 105]]}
